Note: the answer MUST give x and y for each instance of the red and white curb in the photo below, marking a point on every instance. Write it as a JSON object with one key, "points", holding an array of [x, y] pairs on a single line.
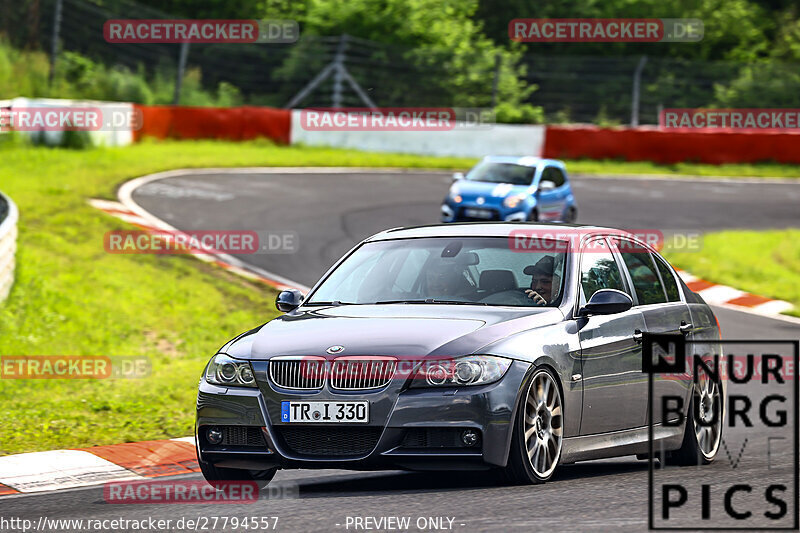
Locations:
{"points": [[228, 262], [723, 295], [63, 469]]}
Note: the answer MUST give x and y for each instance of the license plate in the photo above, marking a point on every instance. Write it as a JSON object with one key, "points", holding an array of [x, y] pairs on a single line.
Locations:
{"points": [[325, 412], [477, 213]]}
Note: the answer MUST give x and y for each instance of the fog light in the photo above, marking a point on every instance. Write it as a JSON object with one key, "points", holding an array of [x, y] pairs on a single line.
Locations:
{"points": [[214, 435], [470, 437]]}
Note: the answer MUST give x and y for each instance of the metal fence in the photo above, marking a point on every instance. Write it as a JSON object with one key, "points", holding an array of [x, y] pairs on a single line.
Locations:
{"points": [[323, 71]]}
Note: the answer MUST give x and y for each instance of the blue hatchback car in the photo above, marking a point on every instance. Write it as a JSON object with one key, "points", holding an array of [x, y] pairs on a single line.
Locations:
{"points": [[513, 189]]}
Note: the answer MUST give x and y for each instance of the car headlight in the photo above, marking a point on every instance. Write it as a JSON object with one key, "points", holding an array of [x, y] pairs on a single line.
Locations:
{"points": [[225, 370], [467, 370], [454, 195], [513, 201]]}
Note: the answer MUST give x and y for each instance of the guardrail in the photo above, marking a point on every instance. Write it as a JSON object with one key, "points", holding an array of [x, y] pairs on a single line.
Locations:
{"points": [[8, 243]]}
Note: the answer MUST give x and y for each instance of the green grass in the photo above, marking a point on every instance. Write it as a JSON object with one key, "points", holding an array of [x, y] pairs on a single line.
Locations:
{"points": [[766, 263], [613, 167], [72, 298]]}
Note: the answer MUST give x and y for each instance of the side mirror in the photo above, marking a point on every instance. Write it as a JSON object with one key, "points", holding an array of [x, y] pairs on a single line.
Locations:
{"points": [[546, 185], [606, 302], [458, 176], [289, 300]]}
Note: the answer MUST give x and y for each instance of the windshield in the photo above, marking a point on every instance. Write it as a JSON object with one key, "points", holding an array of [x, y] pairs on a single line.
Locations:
{"points": [[501, 173], [467, 270]]}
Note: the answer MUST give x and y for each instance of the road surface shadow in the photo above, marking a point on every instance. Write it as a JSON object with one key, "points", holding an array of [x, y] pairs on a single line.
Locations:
{"points": [[416, 482]]}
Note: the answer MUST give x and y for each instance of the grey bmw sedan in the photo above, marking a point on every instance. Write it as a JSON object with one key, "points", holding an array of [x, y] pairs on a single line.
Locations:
{"points": [[489, 346]]}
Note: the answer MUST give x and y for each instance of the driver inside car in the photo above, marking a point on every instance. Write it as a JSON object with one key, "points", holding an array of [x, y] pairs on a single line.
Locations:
{"points": [[542, 279], [445, 281]]}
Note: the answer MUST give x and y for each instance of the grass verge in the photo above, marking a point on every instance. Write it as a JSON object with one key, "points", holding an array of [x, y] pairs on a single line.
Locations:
{"points": [[766, 263]]}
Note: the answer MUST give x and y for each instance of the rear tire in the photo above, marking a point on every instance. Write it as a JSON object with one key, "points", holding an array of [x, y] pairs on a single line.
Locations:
{"points": [[701, 441], [538, 431]]}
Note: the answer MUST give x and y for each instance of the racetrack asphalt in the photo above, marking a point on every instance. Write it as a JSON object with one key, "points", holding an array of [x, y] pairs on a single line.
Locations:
{"points": [[329, 212]]}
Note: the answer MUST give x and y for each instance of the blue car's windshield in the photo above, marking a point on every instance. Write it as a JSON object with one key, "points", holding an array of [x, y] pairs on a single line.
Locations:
{"points": [[465, 270], [501, 173]]}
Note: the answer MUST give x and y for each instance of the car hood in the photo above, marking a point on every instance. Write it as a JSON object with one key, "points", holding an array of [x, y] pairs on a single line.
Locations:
{"points": [[400, 330], [490, 192]]}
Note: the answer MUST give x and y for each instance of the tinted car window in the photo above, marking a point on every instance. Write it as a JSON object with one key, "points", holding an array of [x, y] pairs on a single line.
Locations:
{"points": [[599, 270], [670, 284], [555, 175], [643, 274]]}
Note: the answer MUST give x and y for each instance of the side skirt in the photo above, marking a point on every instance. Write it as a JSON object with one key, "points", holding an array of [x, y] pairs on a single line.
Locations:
{"points": [[620, 443]]}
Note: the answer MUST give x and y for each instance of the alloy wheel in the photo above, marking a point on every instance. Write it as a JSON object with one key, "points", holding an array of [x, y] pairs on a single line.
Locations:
{"points": [[708, 414], [543, 424]]}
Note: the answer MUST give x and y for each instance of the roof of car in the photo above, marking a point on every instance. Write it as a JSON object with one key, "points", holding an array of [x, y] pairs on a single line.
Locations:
{"points": [[528, 161], [486, 229]]}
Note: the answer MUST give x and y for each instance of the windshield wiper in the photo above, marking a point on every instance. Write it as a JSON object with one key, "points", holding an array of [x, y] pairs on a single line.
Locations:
{"points": [[334, 303], [456, 302], [382, 302], [429, 301]]}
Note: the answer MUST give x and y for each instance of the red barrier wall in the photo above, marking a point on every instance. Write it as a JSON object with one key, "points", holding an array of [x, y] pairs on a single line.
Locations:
{"points": [[233, 123], [671, 146]]}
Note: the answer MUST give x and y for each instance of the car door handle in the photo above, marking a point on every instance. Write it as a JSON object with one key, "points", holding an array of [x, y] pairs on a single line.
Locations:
{"points": [[685, 328], [637, 335]]}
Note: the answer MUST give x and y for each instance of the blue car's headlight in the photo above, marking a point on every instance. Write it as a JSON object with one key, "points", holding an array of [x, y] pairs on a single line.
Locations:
{"points": [[460, 371], [225, 370], [513, 201]]}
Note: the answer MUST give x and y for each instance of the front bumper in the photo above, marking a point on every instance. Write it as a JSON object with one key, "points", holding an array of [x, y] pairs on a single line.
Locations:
{"points": [[413, 429], [451, 212]]}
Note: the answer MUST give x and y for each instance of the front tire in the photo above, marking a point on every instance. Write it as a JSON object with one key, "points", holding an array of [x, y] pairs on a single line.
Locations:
{"points": [[538, 431]]}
